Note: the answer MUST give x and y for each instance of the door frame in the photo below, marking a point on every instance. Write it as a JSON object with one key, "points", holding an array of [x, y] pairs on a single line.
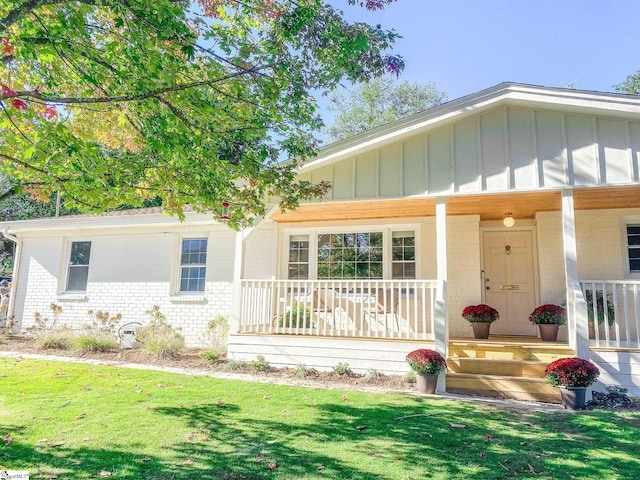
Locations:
{"points": [[521, 226]]}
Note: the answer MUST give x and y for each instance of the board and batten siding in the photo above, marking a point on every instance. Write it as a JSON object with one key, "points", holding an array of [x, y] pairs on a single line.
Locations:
{"points": [[507, 148]]}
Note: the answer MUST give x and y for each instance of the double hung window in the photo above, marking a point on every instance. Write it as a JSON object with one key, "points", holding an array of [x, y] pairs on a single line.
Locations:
{"points": [[633, 248], [78, 268], [193, 265]]}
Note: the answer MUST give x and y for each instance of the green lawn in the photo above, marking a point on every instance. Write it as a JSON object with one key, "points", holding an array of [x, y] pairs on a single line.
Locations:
{"points": [[70, 421]]}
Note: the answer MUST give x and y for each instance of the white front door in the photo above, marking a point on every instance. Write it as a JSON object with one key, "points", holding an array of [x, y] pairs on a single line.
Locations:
{"points": [[509, 280]]}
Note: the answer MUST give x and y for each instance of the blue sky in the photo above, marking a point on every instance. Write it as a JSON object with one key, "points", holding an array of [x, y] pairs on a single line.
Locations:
{"points": [[468, 45]]}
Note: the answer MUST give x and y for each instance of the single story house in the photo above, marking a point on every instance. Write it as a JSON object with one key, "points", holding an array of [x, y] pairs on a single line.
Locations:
{"points": [[514, 196]]}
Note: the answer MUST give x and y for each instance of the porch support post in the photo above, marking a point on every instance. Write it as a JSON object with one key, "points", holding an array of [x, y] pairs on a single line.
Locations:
{"points": [[576, 304], [236, 298], [441, 324]]}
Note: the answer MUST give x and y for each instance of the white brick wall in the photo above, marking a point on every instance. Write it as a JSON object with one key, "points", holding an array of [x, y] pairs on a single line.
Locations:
{"points": [[550, 257], [463, 259], [128, 274]]}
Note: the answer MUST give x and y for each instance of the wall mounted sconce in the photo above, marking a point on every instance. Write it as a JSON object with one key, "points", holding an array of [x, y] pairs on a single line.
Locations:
{"points": [[508, 221]]}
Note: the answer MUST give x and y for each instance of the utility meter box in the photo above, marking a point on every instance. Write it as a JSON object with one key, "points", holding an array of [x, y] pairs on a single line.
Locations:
{"points": [[127, 334]]}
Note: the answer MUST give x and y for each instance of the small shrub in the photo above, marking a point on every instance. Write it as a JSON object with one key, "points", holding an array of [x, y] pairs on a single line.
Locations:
{"points": [[409, 377], [235, 365], [372, 375], [342, 369], [260, 364], [298, 316], [158, 337], [95, 342], [617, 392], [58, 339], [217, 333], [210, 356], [98, 336], [303, 371], [46, 332]]}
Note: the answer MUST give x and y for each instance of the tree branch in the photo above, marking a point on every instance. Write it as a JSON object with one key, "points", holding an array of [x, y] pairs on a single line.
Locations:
{"points": [[129, 98]]}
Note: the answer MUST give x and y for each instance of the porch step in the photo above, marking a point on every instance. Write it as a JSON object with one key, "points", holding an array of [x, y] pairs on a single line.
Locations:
{"points": [[489, 366], [542, 352], [504, 368], [500, 386]]}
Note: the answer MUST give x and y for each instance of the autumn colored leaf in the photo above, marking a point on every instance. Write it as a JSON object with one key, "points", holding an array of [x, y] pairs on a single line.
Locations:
{"points": [[273, 465], [8, 439]]}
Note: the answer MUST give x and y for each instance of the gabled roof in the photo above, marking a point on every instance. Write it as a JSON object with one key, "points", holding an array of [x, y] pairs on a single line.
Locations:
{"points": [[510, 93]]}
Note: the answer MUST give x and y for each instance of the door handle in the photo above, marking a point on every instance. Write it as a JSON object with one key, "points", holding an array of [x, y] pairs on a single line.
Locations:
{"points": [[509, 287]]}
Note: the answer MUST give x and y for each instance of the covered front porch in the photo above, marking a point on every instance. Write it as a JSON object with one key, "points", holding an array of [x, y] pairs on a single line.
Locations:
{"points": [[375, 322]]}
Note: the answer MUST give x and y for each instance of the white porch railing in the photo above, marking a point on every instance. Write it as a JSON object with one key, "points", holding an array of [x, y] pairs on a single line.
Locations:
{"points": [[613, 310], [339, 308]]}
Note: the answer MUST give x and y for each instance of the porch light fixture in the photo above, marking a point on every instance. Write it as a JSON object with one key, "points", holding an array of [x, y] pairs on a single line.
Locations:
{"points": [[508, 221], [225, 212]]}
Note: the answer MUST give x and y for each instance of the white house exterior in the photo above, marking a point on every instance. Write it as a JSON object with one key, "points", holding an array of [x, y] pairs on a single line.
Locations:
{"points": [[411, 233], [135, 261]]}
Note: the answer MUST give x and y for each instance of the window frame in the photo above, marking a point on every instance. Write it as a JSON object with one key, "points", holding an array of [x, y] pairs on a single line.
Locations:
{"points": [[68, 267], [624, 224], [386, 230], [180, 265]]}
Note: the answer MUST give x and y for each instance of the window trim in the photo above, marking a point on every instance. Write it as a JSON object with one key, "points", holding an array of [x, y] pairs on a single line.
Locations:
{"points": [[65, 291], [178, 290], [624, 223], [313, 232]]}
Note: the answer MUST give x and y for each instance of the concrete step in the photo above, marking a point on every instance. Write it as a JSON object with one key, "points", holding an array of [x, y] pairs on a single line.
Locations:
{"points": [[500, 386], [489, 366]]}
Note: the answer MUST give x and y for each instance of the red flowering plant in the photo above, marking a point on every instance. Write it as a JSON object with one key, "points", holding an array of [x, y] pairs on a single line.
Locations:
{"points": [[480, 314], [571, 372], [549, 314], [426, 362]]}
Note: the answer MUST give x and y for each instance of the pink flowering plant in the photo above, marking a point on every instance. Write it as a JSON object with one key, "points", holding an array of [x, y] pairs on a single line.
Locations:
{"points": [[571, 372], [549, 314], [426, 362], [480, 314]]}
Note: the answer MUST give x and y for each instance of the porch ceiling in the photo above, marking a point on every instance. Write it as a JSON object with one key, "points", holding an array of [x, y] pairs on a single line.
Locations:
{"points": [[489, 207]]}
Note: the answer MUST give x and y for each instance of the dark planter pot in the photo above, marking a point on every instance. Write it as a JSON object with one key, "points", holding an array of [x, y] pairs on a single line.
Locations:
{"points": [[573, 398], [481, 330], [549, 333], [426, 383]]}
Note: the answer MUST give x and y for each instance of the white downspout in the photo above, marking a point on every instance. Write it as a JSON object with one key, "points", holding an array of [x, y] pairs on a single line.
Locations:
{"points": [[16, 269]]}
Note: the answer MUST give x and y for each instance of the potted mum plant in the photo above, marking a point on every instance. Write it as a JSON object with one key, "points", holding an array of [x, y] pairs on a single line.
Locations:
{"points": [[481, 317], [427, 365], [573, 376], [549, 317]]}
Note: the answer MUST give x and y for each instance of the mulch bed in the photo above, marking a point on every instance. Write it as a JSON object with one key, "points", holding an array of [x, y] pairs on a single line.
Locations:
{"points": [[190, 359]]}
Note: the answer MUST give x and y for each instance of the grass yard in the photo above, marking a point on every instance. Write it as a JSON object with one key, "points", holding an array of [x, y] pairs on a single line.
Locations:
{"points": [[70, 421]]}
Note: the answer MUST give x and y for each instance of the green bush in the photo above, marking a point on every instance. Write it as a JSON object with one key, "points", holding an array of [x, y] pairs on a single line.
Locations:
{"points": [[342, 368], [92, 342], [303, 371], [210, 356], [409, 377], [158, 338], [298, 316], [260, 364]]}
